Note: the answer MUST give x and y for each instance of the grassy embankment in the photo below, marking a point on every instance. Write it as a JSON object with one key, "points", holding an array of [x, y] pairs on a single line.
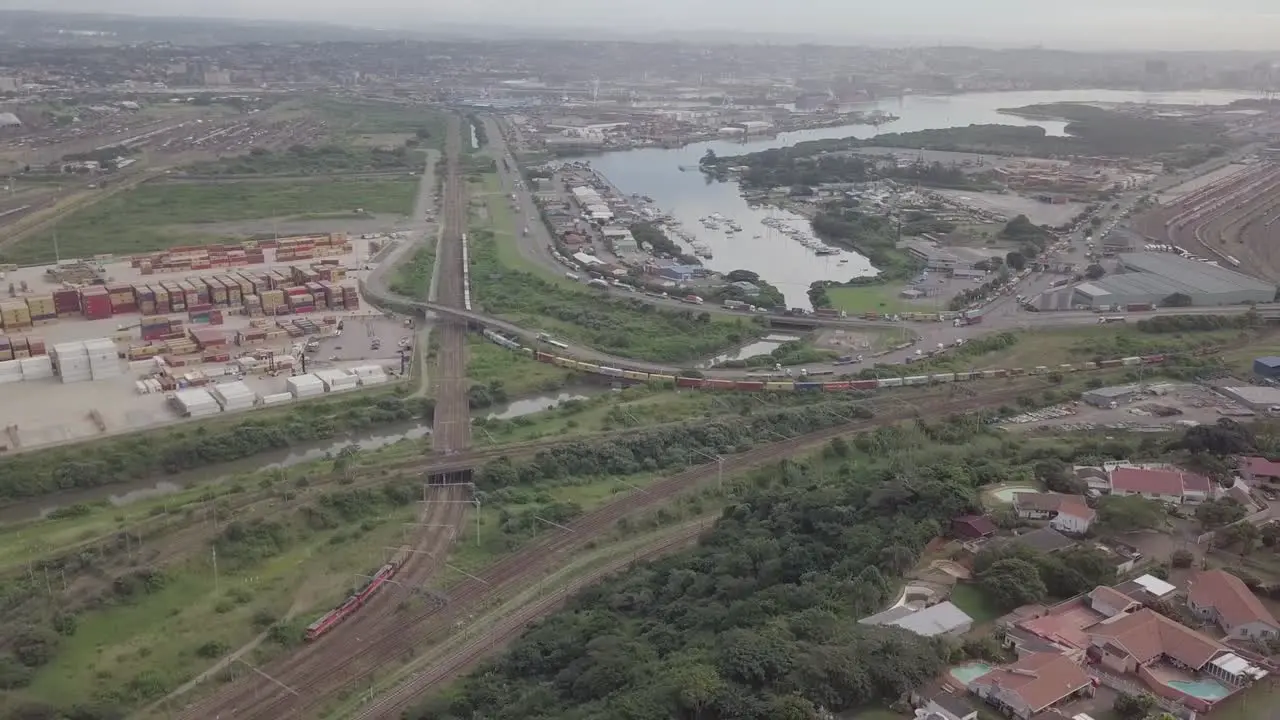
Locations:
{"points": [[157, 215], [504, 285]]}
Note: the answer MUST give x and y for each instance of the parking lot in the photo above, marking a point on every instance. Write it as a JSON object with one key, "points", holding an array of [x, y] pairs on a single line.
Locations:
{"points": [[1171, 406]]}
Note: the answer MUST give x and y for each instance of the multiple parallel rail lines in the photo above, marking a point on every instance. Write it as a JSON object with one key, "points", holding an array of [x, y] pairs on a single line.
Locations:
{"points": [[451, 432], [353, 664]]}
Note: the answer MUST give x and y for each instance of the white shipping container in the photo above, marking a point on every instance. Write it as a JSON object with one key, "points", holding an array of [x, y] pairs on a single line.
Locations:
{"points": [[36, 368], [366, 380], [305, 386], [276, 398]]}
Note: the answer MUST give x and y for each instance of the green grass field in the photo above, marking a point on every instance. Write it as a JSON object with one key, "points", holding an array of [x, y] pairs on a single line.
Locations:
{"points": [[140, 649], [157, 215], [872, 298], [1085, 343], [519, 373]]}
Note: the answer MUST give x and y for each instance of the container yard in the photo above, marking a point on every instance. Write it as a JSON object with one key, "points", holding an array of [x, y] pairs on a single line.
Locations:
{"points": [[108, 345]]}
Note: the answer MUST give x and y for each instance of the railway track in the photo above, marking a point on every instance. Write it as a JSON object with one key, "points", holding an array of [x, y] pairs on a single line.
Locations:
{"points": [[452, 425], [357, 667], [443, 520], [392, 705]]}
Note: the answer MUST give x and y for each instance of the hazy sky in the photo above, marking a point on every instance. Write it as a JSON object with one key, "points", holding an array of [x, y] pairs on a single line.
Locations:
{"points": [[1112, 24]]}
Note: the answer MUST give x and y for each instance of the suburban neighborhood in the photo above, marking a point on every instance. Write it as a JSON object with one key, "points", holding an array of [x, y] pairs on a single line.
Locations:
{"points": [[1169, 631]]}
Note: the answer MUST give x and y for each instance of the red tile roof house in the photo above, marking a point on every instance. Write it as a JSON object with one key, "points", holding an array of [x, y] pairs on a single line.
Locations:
{"points": [[1223, 598], [972, 527], [1032, 684], [1259, 470], [1170, 659], [1065, 513], [1170, 486]]}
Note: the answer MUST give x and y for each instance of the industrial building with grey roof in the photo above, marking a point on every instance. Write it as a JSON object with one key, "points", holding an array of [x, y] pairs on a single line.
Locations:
{"points": [[1147, 277]]}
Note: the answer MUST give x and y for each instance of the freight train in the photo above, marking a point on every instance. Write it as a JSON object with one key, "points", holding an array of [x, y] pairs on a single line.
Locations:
{"points": [[356, 600], [778, 383]]}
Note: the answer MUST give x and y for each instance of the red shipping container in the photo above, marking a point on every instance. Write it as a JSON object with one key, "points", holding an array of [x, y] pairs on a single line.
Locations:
{"points": [[128, 309], [66, 301], [96, 307], [297, 291], [193, 309], [304, 308], [215, 317]]}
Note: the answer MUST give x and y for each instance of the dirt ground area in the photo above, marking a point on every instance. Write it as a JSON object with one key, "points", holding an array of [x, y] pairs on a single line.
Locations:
{"points": [[1011, 205], [858, 341], [1175, 406]]}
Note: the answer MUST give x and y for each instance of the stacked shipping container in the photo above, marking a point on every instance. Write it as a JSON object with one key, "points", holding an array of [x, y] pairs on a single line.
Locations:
{"points": [[95, 303], [14, 315]]}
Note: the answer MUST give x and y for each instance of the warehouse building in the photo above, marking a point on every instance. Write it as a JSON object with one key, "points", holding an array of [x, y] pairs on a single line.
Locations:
{"points": [[1254, 397], [1150, 278], [1267, 367], [1105, 396]]}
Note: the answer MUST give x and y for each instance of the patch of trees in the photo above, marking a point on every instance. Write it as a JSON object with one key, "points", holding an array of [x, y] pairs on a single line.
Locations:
{"points": [[1012, 574], [666, 447], [1225, 437], [647, 232], [769, 296], [1090, 131], [307, 160], [1031, 237], [617, 324], [1162, 324], [477, 125], [872, 236], [758, 622], [141, 456]]}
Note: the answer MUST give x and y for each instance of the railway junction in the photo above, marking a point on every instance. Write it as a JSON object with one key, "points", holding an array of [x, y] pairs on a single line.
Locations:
{"points": [[361, 645]]}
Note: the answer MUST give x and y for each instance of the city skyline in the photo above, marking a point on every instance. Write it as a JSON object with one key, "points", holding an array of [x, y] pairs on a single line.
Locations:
{"points": [[1090, 25]]}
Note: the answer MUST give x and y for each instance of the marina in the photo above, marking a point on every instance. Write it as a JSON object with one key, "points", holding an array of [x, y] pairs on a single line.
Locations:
{"points": [[698, 210]]}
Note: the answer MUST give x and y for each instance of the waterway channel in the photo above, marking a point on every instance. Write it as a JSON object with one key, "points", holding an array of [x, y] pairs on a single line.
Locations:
{"points": [[125, 493], [780, 260]]}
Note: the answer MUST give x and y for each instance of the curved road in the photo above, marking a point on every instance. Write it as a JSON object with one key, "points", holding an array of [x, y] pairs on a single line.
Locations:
{"points": [[1002, 314]]}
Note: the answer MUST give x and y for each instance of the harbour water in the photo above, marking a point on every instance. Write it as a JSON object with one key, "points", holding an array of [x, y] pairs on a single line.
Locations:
{"points": [[125, 493], [779, 259]]}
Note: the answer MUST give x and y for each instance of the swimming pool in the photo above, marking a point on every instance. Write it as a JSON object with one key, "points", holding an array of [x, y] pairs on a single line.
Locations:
{"points": [[1006, 494], [970, 672], [1206, 689]]}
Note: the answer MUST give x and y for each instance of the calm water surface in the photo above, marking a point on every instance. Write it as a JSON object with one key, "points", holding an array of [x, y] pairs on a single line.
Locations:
{"points": [[780, 260]]}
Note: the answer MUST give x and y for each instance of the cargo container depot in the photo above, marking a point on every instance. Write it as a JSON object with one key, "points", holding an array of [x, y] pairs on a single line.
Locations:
{"points": [[196, 402], [303, 386]]}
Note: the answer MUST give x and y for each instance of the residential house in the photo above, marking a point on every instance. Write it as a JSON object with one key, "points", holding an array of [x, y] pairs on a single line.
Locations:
{"points": [[1167, 656], [1065, 513], [945, 706], [972, 527], [1259, 470], [941, 619], [1111, 602], [1147, 589], [1032, 684], [1223, 598], [1170, 486], [1045, 540]]}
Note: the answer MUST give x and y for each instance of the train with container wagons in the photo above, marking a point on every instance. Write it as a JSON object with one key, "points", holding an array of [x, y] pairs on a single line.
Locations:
{"points": [[780, 382], [357, 599]]}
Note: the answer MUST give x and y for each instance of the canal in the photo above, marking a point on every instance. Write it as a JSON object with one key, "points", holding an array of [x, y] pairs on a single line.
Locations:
{"points": [[368, 440]]}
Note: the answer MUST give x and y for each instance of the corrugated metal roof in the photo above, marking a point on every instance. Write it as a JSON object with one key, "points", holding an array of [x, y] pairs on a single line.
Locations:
{"points": [[1198, 276], [1270, 361]]}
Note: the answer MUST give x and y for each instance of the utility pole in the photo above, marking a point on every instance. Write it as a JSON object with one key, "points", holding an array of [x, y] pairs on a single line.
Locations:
{"points": [[215, 570]]}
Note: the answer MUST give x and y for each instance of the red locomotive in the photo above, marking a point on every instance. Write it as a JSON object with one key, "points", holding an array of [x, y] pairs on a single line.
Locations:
{"points": [[352, 604]]}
